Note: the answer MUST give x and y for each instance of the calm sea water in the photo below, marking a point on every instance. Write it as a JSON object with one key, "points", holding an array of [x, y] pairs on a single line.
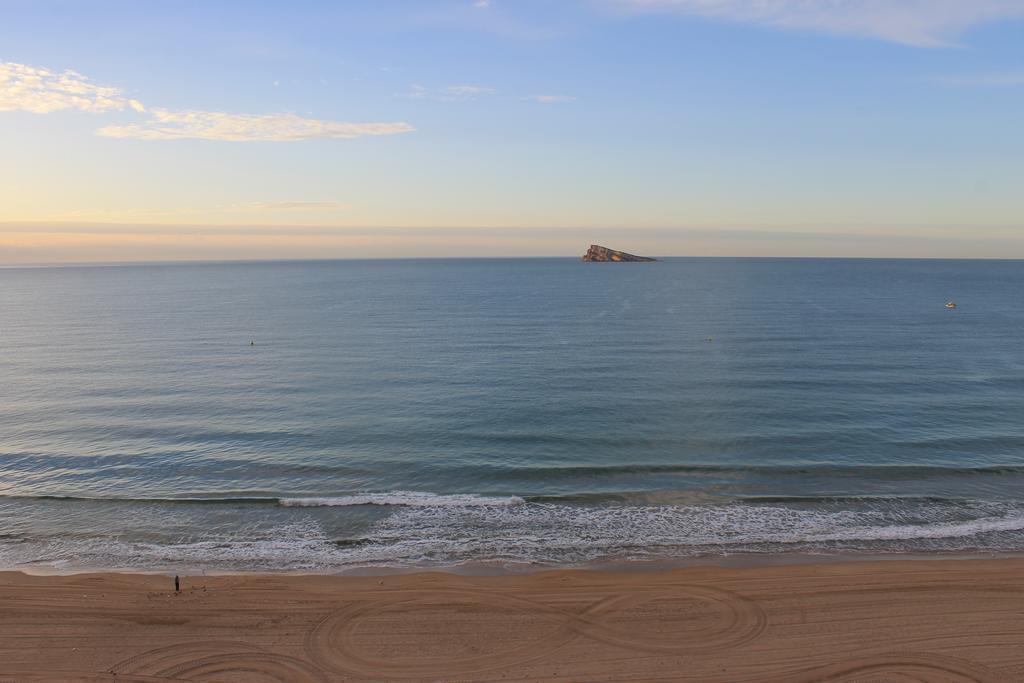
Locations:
{"points": [[538, 411]]}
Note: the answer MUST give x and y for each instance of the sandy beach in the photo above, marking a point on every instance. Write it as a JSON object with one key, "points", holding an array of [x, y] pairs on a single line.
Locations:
{"points": [[921, 620]]}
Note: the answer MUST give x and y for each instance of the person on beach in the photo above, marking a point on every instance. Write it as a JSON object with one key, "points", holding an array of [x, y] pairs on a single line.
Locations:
{"points": [[177, 586]]}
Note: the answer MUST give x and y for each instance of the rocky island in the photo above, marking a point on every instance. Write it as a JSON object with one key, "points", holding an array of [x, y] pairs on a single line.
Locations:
{"points": [[602, 254]]}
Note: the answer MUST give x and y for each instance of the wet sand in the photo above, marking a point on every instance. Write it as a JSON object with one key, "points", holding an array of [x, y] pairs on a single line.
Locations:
{"points": [[921, 620]]}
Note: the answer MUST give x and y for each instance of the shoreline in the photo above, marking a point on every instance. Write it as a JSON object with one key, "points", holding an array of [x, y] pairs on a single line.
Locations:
{"points": [[936, 619], [732, 561]]}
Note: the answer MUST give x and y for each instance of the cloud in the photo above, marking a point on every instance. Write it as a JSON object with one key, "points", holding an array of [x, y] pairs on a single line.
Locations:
{"points": [[923, 23], [451, 93], [482, 4], [551, 99], [218, 125], [42, 91]]}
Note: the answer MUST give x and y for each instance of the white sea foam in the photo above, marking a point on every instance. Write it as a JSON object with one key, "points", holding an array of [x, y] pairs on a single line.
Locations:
{"points": [[934, 530], [444, 533], [300, 546], [406, 499], [569, 534]]}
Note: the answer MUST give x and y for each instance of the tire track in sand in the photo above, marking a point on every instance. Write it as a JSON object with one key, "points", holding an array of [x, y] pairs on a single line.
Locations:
{"points": [[268, 665], [202, 660], [917, 667], [726, 620]]}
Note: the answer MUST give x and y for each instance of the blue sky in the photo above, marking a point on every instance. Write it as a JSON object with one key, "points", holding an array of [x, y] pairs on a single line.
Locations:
{"points": [[465, 127]]}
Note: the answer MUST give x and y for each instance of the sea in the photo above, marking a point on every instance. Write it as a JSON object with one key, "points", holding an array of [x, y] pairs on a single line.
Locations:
{"points": [[507, 414]]}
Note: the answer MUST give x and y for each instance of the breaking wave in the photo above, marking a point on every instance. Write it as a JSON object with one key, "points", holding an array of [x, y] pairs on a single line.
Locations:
{"points": [[406, 499], [433, 530]]}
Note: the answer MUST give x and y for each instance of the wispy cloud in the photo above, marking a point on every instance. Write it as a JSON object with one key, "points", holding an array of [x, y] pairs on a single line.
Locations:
{"points": [[218, 125], [42, 91], [983, 80], [481, 4], [551, 99], [924, 23], [451, 93], [301, 206], [250, 213]]}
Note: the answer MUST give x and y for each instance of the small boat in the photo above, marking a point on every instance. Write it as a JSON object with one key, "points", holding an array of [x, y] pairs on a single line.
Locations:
{"points": [[950, 304]]}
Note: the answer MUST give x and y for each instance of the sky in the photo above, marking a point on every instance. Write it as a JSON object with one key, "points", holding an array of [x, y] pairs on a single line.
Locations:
{"points": [[182, 129]]}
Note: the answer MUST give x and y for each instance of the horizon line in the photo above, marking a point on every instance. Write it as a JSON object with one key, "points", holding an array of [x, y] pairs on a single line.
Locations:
{"points": [[258, 261]]}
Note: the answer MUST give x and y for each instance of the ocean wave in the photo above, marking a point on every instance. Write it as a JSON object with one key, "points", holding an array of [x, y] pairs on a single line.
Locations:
{"points": [[866, 498], [388, 498], [689, 525], [934, 530], [406, 499], [866, 471], [653, 497], [560, 534], [178, 500], [301, 546], [429, 530]]}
